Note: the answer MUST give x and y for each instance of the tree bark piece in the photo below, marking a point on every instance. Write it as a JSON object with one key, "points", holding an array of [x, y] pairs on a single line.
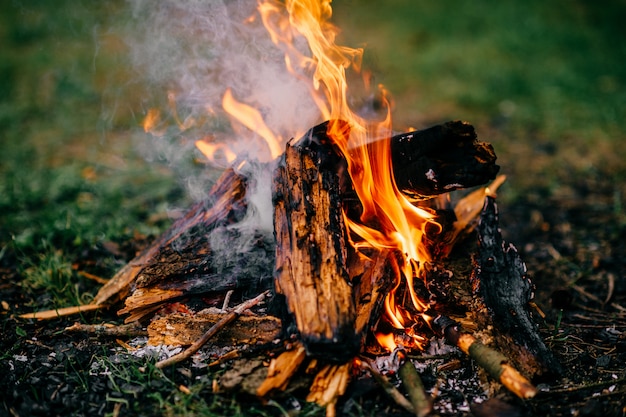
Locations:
{"points": [[224, 203], [224, 321], [184, 329]]}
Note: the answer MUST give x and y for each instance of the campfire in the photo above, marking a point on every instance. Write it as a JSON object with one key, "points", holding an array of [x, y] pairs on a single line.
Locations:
{"points": [[371, 253]]}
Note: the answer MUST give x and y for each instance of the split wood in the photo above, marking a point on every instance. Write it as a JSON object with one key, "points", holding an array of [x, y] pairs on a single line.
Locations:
{"points": [[231, 316]]}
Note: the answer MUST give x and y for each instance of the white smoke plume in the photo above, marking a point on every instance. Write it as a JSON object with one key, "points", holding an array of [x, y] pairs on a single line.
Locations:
{"points": [[190, 53], [195, 50]]}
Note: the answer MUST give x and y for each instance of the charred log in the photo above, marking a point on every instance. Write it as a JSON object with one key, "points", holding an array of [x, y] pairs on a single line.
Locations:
{"points": [[440, 159], [501, 280]]}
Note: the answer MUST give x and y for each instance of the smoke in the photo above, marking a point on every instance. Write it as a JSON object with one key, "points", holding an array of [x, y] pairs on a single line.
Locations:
{"points": [[189, 53], [195, 50]]}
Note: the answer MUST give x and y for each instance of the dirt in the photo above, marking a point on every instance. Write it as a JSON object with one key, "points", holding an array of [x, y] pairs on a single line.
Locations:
{"points": [[572, 241]]}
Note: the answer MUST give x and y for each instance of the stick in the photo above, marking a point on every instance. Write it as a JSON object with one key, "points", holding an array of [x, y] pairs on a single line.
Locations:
{"points": [[212, 331], [492, 361], [61, 312], [132, 329], [415, 389]]}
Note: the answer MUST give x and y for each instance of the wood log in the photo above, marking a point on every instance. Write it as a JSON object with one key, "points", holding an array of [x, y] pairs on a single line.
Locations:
{"points": [[500, 278], [224, 204], [183, 330], [311, 247], [440, 159], [485, 287], [312, 190]]}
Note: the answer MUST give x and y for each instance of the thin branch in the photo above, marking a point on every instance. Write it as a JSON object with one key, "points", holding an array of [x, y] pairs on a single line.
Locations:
{"points": [[492, 361]]}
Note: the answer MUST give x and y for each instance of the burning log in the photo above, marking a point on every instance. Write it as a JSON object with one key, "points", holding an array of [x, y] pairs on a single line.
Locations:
{"points": [[311, 247], [311, 192], [182, 250], [441, 159]]}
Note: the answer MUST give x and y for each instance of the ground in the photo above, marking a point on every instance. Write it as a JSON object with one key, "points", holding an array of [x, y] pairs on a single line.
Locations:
{"points": [[82, 190]]}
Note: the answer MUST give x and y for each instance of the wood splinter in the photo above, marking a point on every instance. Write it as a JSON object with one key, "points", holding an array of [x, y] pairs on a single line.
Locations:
{"points": [[212, 331], [492, 361]]}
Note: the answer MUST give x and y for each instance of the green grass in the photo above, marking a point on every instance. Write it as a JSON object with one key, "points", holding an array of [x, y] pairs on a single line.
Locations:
{"points": [[71, 179], [555, 68], [544, 82]]}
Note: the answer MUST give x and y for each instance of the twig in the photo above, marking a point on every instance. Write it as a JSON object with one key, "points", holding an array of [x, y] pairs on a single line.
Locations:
{"points": [[92, 277], [61, 312], [388, 387], [229, 293], [415, 389], [492, 361], [131, 329], [212, 331]]}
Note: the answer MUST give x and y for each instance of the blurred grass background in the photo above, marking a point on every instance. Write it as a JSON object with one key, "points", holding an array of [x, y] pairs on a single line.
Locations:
{"points": [[545, 82]]}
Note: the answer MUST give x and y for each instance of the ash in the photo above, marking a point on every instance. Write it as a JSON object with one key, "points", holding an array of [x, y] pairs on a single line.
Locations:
{"points": [[450, 378]]}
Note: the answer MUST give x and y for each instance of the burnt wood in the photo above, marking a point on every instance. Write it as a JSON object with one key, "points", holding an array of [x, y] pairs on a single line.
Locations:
{"points": [[440, 159], [311, 247], [500, 278]]}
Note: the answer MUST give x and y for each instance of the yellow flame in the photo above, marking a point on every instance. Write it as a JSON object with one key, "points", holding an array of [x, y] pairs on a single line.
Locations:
{"points": [[387, 341], [389, 220], [253, 120]]}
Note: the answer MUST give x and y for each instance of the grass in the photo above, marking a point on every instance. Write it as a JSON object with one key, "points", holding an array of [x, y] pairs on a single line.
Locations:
{"points": [[544, 81]]}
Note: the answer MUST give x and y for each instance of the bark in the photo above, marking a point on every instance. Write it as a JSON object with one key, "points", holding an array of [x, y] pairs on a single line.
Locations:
{"points": [[182, 244]]}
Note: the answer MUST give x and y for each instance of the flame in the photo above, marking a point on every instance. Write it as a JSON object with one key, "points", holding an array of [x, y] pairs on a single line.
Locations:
{"points": [[387, 341], [253, 120], [389, 220]]}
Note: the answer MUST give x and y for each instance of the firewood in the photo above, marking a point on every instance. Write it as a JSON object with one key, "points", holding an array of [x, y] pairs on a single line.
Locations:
{"points": [[184, 329], [312, 192], [500, 278], [414, 387], [440, 159], [387, 386], [228, 318], [311, 247], [329, 385], [281, 370], [225, 201], [110, 330]]}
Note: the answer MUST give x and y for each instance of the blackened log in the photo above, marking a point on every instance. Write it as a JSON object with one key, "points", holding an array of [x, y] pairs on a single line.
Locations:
{"points": [[311, 247], [435, 160], [501, 280], [440, 159]]}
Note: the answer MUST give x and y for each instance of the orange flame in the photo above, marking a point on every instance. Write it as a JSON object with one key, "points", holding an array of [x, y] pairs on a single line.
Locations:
{"points": [[400, 225]]}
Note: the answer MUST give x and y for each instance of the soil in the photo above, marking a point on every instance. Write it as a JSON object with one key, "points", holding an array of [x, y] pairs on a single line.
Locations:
{"points": [[573, 243]]}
